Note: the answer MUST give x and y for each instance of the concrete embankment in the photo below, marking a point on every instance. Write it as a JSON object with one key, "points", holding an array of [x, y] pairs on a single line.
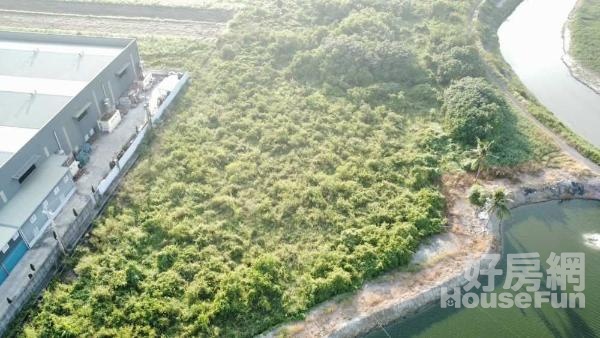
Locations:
{"points": [[522, 196]]}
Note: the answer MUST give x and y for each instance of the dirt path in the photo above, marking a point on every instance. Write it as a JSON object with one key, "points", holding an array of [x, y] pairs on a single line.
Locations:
{"points": [[522, 108], [121, 20], [118, 10], [100, 26]]}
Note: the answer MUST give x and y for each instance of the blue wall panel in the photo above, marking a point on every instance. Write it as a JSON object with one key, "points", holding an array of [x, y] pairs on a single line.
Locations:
{"points": [[3, 275], [14, 255]]}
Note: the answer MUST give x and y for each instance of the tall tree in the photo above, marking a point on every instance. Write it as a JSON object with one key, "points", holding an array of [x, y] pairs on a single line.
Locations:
{"points": [[499, 204], [474, 110]]}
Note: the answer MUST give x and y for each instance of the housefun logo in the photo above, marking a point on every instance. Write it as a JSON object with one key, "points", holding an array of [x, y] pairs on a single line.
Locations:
{"points": [[563, 285]]}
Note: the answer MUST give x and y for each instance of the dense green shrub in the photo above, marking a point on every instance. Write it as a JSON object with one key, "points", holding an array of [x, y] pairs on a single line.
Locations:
{"points": [[474, 110], [478, 196], [304, 158], [350, 61], [456, 63]]}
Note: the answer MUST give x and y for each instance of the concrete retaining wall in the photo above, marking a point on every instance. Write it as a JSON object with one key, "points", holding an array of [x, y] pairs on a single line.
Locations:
{"points": [[30, 289], [525, 195], [80, 226], [362, 325]]}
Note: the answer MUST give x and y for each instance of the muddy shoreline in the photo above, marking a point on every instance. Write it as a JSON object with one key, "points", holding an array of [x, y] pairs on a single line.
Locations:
{"points": [[585, 76], [562, 184], [397, 294], [409, 293]]}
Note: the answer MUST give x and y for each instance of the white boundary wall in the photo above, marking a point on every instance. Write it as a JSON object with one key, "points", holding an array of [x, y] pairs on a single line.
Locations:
{"points": [[105, 184]]}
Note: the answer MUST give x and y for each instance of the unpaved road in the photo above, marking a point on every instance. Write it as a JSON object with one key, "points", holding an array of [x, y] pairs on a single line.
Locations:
{"points": [[522, 107], [116, 19], [121, 10]]}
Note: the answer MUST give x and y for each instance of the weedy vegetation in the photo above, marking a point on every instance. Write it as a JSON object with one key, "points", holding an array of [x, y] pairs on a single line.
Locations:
{"points": [[304, 158]]}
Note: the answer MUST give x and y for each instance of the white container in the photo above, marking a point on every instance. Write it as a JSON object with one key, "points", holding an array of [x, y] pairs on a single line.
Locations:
{"points": [[74, 168], [109, 125], [147, 82]]}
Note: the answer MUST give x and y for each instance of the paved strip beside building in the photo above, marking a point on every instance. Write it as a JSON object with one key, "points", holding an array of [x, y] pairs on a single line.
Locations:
{"points": [[49, 118], [54, 90]]}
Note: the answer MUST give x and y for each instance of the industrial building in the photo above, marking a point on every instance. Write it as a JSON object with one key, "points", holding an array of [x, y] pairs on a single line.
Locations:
{"points": [[56, 94]]}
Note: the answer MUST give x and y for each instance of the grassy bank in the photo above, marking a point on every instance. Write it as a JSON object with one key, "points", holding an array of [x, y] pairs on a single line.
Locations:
{"points": [[305, 158], [490, 19], [585, 34]]}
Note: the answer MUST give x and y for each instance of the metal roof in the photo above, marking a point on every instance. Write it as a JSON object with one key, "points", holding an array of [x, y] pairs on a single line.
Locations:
{"points": [[39, 75], [36, 85], [33, 191], [6, 234], [53, 60], [32, 111], [12, 139], [4, 156]]}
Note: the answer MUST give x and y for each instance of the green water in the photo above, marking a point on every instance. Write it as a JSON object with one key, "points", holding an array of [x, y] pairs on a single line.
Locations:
{"points": [[542, 228]]}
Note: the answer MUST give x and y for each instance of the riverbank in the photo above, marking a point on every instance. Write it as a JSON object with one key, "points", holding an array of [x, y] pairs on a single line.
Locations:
{"points": [[527, 189], [487, 19], [559, 226], [401, 294], [583, 74], [443, 261]]}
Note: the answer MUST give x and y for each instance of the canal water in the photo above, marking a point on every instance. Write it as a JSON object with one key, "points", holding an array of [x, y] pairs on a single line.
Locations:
{"points": [[531, 42], [545, 227]]}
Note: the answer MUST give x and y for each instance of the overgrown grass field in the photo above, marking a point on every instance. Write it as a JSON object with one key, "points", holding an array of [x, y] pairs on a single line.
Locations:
{"points": [[304, 159]]}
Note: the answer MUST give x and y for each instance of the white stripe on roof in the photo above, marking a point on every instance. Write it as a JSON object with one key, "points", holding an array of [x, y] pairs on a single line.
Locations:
{"points": [[6, 234], [12, 138], [31, 85], [59, 48]]}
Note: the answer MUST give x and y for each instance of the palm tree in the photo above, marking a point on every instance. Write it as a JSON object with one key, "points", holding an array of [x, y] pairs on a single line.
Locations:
{"points": [[481, 153], [498, 204]]}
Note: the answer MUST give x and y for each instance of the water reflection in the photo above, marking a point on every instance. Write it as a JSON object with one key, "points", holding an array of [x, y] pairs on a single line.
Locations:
{"points": [[531, 42]]}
